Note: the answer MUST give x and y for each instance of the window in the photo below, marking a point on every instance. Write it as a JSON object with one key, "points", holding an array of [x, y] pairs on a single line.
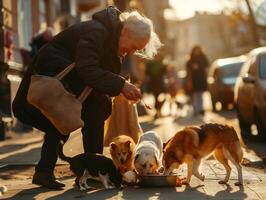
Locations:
{"points": [[42, 14], [231, 70], [24, 23]]}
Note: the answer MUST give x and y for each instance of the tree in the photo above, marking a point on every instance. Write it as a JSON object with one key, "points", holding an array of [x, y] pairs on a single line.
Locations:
{"points": [[253, 24]]}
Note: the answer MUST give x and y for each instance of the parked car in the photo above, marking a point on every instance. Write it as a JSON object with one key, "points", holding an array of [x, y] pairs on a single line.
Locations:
{"points": [[250, 93], [221, 80]]}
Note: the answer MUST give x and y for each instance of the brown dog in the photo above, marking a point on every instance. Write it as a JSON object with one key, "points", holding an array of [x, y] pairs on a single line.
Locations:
{"points": [[192, 144], [121, 149]]}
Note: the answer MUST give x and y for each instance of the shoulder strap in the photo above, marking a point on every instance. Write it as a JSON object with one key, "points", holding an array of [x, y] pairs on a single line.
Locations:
{"points": [[63, 73], [87, 90]]}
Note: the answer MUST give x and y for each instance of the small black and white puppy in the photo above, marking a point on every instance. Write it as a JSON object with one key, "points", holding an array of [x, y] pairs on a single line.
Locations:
{"points": [[94, 166]]}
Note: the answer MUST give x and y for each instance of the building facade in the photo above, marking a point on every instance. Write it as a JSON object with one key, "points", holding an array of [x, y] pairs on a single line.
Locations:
{"points": [[23, 19], [220, 35]]}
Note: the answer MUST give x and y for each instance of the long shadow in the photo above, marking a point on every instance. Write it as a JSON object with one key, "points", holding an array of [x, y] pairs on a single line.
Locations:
{"points": [[259, 148], [227, 194], [163, 193], [15, 147], [30, 156], [29, 194], [192, 192], [8, 171], [132, 193], [97, 193]]}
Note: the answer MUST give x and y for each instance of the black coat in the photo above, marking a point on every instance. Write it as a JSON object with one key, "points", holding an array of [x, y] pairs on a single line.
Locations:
{"points": [[92, 45], [197, 70]]}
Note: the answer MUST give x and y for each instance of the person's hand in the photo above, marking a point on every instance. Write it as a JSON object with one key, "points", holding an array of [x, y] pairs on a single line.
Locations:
{"points": [[131, 92]]}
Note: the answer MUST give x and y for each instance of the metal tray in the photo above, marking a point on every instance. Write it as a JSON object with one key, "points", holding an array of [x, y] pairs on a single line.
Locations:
{"points": [[158, 180]]}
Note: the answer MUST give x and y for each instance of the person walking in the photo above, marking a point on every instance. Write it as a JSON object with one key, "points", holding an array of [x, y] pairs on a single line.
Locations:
{"points": [[196, 68], [97, 47], [155, 72]]}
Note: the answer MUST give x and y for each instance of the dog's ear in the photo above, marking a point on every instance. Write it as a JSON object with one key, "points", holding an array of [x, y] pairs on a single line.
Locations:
{"points": [[127, 143], [165, 143], [113, 145]]}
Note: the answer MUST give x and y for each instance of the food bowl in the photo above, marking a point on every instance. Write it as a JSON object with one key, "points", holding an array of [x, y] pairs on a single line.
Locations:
{"points": [[158, 180]]}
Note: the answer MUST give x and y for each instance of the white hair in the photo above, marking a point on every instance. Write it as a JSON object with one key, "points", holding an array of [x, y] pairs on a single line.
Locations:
{"points": [[142, 27]]}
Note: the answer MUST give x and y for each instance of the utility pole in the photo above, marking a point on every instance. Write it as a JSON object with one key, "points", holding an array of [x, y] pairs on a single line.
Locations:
{"points": [[253, 24]]}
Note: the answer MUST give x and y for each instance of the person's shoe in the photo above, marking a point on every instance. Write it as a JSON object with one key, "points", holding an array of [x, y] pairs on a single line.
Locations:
{"points": [[47, 180]]}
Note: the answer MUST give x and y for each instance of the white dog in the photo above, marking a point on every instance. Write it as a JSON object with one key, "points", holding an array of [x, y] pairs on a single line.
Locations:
{"points": [[148, 153]]}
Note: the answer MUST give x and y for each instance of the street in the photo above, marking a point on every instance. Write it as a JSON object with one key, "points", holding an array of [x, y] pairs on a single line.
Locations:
{"points": [[66, 65], [22, 153]]}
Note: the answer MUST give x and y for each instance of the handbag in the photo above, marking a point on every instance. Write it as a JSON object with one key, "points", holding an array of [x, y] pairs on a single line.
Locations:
{"points": [[123, 120], [58, 105]]}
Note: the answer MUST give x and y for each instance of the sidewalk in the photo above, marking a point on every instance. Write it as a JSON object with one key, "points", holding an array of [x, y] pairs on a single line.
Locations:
{"points": [[24, 151]]}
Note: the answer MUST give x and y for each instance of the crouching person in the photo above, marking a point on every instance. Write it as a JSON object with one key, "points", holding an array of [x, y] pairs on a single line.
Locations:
{"points": [[97, 47]]}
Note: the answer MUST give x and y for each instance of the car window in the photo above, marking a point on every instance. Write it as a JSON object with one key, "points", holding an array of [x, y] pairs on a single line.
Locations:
{"points": [[262, 66], [231, 70]]}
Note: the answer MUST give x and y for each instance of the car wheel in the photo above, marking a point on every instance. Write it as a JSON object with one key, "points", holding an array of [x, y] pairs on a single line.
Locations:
{"points": [[244, 126], [260, 126]]}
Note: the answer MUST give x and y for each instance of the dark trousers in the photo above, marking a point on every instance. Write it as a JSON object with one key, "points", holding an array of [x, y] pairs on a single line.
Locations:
{"points": [[95, 111]]}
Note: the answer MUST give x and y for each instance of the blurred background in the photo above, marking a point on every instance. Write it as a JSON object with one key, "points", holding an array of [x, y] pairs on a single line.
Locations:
{"points": [[226, 30], [222, 27]]}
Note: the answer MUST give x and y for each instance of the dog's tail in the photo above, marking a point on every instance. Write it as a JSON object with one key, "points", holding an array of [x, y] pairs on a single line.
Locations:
{"points": [[60, 152]]}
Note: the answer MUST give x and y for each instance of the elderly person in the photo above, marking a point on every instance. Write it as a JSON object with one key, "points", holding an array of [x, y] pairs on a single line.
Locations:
{"points": [[97, 47]]}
